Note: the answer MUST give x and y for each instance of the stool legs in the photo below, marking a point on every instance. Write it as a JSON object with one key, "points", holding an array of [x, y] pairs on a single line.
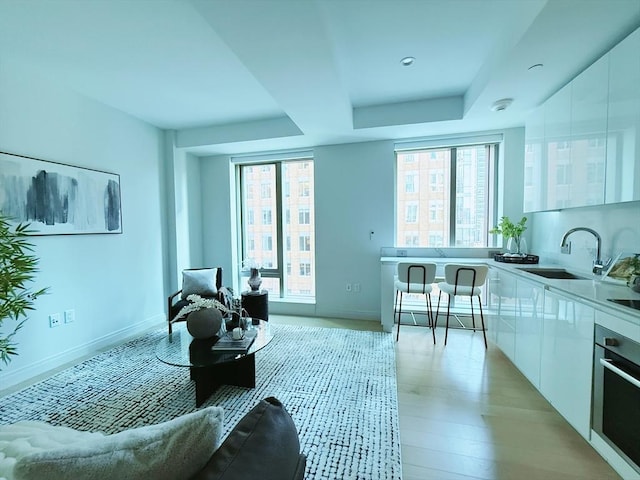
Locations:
{"points": [[398, 310], [473, 320]]}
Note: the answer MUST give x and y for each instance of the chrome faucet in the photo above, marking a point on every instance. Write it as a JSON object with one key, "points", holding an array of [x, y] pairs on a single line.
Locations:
{"points": [[598, 264]]}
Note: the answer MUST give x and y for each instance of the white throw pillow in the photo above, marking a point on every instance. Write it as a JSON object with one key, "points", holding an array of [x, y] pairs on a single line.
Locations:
{"points": [[176, 449], [201, 282]]}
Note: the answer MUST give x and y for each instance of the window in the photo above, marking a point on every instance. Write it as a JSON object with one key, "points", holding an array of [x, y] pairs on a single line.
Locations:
{"points": [[272, 248], [305, 243], [305, 269], [410, 182], [304, 216], [411, 215], [456, 206], [266, 216], [267, 243], [265, 190], [303, 188]]}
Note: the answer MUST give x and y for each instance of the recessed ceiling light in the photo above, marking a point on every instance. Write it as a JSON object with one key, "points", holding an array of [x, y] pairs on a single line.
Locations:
{"points": [[502, 104], [535, 66], [406, 61]]}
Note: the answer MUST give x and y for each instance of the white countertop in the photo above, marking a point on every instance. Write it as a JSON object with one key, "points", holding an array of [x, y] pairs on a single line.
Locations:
{"points": [[594, 292]]}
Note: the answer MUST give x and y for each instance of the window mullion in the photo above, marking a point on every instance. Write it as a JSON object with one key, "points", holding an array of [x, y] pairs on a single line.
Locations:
{"points": [[280, 227], [452, 197]]}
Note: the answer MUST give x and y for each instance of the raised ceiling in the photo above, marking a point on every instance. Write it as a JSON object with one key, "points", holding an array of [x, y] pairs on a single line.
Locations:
{"points": [[236, 76]]}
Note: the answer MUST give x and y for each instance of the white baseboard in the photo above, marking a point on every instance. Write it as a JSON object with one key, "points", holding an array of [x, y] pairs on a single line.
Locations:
{"points": [[49, 365]]}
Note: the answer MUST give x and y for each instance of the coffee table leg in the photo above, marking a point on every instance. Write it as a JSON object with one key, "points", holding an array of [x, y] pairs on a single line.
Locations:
{"points": [[206, 384], [241, 373]]}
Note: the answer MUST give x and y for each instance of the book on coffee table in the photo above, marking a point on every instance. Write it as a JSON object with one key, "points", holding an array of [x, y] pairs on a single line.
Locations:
{"points": [[228, 344]]}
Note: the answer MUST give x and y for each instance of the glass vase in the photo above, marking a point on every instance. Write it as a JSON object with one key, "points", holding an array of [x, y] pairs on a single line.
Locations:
{"points": [[517, 246]]}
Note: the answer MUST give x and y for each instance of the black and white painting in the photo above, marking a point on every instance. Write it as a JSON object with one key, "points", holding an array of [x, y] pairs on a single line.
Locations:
{"points": [[59, 199]]}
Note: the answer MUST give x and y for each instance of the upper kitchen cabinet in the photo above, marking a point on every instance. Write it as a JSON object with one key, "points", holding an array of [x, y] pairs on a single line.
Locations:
{"points": [[535, 167], [623, 132], [585, 174], [557, 133], [590, 147]]}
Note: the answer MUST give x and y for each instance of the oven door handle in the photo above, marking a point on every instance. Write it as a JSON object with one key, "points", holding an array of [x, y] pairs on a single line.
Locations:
{"points": [[608, 364]]}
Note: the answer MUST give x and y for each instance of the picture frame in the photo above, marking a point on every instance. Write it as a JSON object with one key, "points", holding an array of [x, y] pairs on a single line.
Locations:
{"points": [[59, 199], [618, 271]]}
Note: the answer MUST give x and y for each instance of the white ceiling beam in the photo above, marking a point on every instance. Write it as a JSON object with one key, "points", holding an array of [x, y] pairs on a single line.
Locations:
{"points": [[285, 46]]}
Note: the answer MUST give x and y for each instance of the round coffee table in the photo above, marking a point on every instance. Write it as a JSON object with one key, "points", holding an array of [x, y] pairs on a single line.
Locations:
{"points": [[208, 368]]}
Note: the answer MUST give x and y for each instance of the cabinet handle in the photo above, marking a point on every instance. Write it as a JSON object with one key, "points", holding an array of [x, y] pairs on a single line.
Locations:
{"points": [[606, 363]]}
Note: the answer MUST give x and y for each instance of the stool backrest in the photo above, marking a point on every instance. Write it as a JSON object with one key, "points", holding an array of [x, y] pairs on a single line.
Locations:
{"points": [[416, 272], [464, 275]]}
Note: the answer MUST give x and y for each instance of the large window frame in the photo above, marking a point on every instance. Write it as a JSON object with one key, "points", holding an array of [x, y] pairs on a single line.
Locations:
{"points": [[444, 189], [287, 227]]}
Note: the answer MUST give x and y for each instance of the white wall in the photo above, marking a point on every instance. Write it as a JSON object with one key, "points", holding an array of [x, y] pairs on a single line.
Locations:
{"points": [[114, 282]]}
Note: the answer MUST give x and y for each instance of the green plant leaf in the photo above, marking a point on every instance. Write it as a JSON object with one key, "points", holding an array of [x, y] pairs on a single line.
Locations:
{"points": [[18, 267]]}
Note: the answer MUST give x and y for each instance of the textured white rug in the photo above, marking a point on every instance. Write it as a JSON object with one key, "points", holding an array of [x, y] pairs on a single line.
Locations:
{"points": [[338, 385]]}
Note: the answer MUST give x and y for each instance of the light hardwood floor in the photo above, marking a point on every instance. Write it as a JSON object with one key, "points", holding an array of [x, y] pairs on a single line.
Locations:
{"points": [[466, 413]]}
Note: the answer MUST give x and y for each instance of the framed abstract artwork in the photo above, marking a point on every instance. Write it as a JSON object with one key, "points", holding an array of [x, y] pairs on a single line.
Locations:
{"points": [[59, 199]]}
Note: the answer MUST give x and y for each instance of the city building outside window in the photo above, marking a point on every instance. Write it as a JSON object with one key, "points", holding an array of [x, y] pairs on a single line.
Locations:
{"points": [[455, 208], [275, 228]]}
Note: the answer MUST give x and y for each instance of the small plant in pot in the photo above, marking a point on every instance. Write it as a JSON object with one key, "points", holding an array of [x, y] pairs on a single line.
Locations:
{"points": [[516, 244], [17, 269]]}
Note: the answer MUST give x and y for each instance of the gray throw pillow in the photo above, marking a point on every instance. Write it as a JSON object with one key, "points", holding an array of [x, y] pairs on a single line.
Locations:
{"points": [[201, 282]]}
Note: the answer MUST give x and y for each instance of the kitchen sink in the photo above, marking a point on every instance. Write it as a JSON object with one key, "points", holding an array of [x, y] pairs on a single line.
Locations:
{"points": [[555, 273]]}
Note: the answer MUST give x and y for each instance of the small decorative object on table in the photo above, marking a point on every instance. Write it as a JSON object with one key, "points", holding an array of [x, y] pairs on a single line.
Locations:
{"points": [[204, 316], [516, 243], [255, 280]]}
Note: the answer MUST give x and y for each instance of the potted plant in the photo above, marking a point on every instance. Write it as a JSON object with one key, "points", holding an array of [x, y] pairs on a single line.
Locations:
{"points": [[516, 243], [17, 268]]}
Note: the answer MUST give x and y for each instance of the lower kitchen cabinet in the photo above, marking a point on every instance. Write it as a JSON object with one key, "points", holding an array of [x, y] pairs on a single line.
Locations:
{"points": [[567, 359], [528, 330], [502, 297]]}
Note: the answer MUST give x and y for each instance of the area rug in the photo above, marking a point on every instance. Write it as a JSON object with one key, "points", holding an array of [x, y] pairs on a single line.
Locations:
{"points": [[338, 385]]}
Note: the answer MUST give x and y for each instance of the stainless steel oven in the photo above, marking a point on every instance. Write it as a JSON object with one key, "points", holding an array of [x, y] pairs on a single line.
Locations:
{"points": [[616, 393]]}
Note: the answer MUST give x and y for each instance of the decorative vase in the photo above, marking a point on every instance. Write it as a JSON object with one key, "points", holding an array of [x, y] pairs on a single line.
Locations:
{"points": [[255, 280], [634, 283], [517, 246], [204, 323]]}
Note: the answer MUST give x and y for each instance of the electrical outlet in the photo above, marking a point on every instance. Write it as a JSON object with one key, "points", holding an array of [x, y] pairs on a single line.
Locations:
{"points": [[69, 316], [402, 253], [356, 287], [54, 320], [348, 287]]}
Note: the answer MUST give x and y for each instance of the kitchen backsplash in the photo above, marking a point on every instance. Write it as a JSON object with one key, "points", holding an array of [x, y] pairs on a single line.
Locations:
{"points": [[617, 224]]}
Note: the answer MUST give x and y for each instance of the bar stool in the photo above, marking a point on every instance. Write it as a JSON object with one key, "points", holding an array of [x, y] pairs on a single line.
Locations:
{"points": [[415, 278], [463, 280]]}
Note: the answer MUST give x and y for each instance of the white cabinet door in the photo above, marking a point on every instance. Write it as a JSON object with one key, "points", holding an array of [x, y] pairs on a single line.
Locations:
{"points": [[529, 314], [623, 132], [589, 94], [502, 296], [557, 127], [534, 162], [567, 359]]}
